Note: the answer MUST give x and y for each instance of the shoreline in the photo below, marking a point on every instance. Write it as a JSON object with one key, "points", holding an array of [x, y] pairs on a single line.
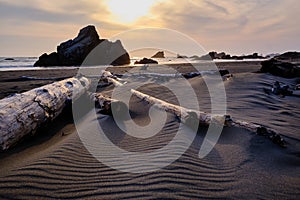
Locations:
{"points": [[12, 82]]}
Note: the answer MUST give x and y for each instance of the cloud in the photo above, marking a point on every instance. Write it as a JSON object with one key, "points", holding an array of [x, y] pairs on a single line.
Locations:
{"points": [[218, 23], [24, 13], [217, 7], [54, 18]]}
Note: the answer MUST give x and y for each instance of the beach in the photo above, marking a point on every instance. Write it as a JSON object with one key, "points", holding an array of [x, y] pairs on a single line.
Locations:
{"points": [[56, 164], [156, 99], [18, 81]]}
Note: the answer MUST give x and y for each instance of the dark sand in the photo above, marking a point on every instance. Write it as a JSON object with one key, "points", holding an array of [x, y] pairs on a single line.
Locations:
{"points": [[12, 82], [56, 165]]}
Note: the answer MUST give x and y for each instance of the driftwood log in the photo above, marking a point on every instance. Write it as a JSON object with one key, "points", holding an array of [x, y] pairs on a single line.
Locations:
{"points": [[189, 116], [22, 114], [184, 114]]}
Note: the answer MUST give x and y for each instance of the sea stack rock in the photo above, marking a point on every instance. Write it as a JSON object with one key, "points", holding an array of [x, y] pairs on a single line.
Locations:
{"points": [[289, 57], [159, 54], [73, 52], [280, 68], [146, 61], [9, 59]]}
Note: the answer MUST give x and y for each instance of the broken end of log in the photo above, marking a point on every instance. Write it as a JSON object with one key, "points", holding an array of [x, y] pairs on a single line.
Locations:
{"points": [[272, 135], [258, 129]]}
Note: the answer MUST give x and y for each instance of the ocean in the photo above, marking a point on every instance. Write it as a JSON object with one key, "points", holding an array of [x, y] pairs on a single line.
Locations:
{"points": [[16, 63], [26, 63]]}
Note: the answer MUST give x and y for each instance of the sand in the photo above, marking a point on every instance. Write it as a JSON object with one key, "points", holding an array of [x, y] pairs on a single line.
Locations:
{"points": [[55, 164]]}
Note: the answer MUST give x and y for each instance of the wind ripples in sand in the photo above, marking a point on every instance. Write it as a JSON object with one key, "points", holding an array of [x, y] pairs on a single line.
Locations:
{"points": [[241, 165]]}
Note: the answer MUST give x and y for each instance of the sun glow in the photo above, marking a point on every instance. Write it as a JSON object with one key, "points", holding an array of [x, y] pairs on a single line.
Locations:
{"points": [[128, 11]]}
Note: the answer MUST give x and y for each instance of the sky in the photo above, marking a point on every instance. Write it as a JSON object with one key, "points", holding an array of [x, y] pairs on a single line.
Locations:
{"points": [[32, 27]]}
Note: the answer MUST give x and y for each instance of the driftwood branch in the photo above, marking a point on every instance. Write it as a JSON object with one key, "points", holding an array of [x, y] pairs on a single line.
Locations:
{"points": [[22, 114]]}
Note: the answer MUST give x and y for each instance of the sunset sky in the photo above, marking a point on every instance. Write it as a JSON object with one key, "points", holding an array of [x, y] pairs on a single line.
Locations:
{"points": [[31, 27]]}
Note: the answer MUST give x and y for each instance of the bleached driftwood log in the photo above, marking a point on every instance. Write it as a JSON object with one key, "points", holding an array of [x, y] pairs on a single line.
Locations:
{"points": [[114, 81], [189, 116], [22, 114], [186, 115]]}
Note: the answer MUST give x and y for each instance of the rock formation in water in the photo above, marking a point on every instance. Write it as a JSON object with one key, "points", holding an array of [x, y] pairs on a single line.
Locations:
{"points": [[289, 57], [74, 52], [280, 68], [159, 54], [146, 61], [181, 56], [9, 59], [285, 65], [215, 55]]}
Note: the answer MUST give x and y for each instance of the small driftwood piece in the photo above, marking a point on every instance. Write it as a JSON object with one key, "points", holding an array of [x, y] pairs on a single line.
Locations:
{"points": [[22, 114]]}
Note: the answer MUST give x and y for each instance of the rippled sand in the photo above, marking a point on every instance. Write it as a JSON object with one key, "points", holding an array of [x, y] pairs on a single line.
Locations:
{"points": [[242, 164]]}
